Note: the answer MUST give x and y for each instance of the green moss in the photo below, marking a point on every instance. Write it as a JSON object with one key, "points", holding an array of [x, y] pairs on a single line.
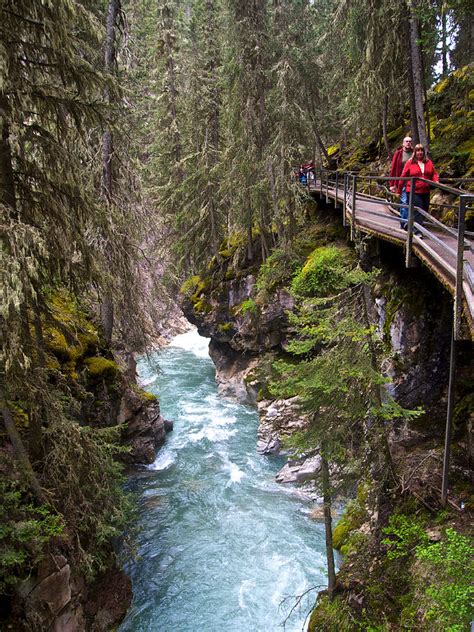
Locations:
{"points": [[202, 306], [55, 341], [20, 416], [231, 243], [248, 306], [329, 616], [193, 287], [85, 336], [224, 327], [150, 397], [100, 367], [352, 518]]}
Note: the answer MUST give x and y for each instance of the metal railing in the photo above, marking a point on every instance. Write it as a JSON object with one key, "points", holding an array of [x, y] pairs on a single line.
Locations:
{"points": [[348, 188]]}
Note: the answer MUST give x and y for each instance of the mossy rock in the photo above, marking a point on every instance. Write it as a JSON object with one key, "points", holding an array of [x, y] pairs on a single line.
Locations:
{"points": [[55, 341], [20, 416], [224, 327], [202, 306], [149, 397], [100, 367]]}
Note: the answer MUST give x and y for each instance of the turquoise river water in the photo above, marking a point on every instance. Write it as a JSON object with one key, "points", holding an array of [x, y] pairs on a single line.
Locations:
{"points": [[219, 544]]}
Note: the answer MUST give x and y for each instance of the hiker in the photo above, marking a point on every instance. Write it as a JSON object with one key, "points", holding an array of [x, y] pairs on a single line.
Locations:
{"points": [[400, 158], [421, 166]]}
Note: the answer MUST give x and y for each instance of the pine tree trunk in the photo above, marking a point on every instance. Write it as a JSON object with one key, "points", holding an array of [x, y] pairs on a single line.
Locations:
{"points": [[444, 42], [19, 450], [416, 69], [328, 527], [385, 125], [7, 183], [110, 61]]}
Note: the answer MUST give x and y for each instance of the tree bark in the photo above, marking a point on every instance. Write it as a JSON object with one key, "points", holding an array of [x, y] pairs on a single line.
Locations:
{"points": [[328, 527], [444, 42], [384, 126], [7, 181], [20, 451], [110, 61], [416, 69]]}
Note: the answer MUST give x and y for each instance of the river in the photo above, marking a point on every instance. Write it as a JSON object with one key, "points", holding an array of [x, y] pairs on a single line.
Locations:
{"points": [[219, 544]]}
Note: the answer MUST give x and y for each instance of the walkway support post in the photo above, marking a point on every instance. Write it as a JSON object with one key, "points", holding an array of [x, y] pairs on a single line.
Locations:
{"points": [[409, 243], [337, 184], [459, 269], [353, 209], [452, 359], [344, 203]]}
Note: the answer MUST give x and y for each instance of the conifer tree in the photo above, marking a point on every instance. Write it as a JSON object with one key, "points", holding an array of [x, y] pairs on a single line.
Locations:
{"points": [[246, 181], [201, 216], [338, 382]]}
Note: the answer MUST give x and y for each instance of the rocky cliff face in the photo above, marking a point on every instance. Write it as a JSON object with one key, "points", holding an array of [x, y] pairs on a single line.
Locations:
{"points": [[410, 309]]}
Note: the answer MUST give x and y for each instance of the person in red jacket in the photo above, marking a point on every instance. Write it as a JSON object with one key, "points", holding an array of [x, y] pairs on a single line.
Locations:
{"points": [[421, 167], [400, 158]]}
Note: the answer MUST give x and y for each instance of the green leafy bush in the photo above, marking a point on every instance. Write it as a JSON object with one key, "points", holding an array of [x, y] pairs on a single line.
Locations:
{"points": [[405, 534], [24, 532], [446, 600], [327, 271]]}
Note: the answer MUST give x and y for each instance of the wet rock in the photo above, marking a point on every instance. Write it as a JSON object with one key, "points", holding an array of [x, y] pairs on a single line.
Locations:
{"points": [[279, 418], [49, 597], [232, 370], [144, 427], [108, 600], [299, 471]]}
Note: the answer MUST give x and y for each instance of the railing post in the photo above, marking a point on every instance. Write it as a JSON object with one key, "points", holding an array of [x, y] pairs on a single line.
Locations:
{"points": [[409, 243], [327, 186], [353, 209], [458, 292], [337, 184], [344, 203], [321, 182]]}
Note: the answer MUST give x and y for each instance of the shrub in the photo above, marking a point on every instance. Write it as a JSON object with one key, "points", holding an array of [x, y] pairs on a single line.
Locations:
{"points": [[248, 306], [24, 532], [406, 532], [327, 271], [446, 600]]}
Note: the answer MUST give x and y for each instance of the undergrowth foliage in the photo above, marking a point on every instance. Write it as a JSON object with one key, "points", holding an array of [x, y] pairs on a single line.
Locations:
{"points": [[440, 574], [25, 530]]}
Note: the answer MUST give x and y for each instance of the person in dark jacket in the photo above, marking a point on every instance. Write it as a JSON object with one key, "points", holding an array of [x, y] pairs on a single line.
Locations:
{"points": [[422, 167], [400, 158]]}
